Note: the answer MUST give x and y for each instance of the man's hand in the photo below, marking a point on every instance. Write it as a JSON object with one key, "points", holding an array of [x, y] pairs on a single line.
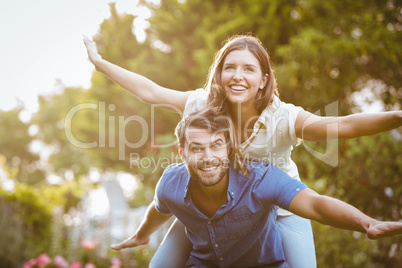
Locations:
{"points": [[379, 229], [130, 243], [151, 222]]}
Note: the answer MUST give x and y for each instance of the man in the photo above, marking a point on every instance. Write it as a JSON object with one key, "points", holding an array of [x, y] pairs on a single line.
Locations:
{"points": [[229, 207]]}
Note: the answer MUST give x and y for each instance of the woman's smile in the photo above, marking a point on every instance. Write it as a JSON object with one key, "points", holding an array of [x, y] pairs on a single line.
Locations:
{"points": [[242, 76]]}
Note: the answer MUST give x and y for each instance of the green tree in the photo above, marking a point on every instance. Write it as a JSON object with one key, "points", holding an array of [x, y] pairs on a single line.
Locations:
{"points": [[138, 137], [322, 52], [26, 219], [51, 119], [15, 142], [333, 55], [105, 127]]}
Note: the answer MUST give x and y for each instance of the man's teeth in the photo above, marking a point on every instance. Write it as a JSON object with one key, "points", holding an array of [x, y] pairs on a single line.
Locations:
{"points": [[238, 88], [208, 168]]}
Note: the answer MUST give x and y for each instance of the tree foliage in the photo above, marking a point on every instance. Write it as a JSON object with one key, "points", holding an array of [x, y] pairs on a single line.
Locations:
{"points": [[323, 49], [26, 221], [15, 143], [322, 53]]}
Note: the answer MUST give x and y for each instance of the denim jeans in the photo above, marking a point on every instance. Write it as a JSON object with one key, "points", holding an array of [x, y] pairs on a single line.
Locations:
{"points": [[174, 250], [297, 242]]}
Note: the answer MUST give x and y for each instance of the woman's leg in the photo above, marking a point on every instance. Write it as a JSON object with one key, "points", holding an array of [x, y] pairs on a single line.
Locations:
{"points": [[174, 250], [297, 241]]}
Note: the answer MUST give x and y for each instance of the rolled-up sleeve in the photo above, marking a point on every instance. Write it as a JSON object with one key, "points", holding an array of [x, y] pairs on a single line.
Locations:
{"points": [[279, 188], [160, 203], [292, 111], [195, 101]]}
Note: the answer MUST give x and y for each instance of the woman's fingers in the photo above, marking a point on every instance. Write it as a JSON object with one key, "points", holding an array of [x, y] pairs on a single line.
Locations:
{"points": [[91, 50]]}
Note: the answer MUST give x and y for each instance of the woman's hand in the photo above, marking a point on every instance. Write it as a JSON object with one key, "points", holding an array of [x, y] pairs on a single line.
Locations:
{"points": [[138, 85], [92, 51]]}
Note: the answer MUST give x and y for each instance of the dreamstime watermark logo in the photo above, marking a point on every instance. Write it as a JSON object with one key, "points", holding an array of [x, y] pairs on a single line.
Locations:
{"points": [[116, 129]]}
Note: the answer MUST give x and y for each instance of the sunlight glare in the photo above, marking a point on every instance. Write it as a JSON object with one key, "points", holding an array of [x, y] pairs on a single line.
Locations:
{"points": [[98, 202], [128, 184]]}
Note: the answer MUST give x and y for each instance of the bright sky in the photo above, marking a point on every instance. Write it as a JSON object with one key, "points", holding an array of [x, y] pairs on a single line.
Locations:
{"points": [[41, 42]]}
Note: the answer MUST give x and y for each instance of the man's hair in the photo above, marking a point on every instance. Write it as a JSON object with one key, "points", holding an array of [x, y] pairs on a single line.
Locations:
{"points": [[215, 123]]}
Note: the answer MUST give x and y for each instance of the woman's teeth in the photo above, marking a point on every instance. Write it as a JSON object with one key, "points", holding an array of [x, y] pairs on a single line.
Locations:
{"points": [[238, 88]]}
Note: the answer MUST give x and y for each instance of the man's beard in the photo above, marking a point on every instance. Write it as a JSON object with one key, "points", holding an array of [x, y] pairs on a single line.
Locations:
{"points": [[213, 179]]}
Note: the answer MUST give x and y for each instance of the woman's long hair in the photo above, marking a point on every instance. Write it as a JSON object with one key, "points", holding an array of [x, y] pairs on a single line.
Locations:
{"points": [[217, 99]]}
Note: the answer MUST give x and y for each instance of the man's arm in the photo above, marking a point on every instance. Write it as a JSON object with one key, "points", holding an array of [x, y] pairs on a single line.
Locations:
{"points": [[151, 222], [331, 211]]}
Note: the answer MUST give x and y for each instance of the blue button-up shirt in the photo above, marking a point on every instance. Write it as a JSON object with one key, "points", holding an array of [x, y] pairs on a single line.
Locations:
{"points": [[243, 232]]}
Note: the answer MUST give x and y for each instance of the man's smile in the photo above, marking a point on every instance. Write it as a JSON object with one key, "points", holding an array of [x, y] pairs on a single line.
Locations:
{"points": [[208, 166]]}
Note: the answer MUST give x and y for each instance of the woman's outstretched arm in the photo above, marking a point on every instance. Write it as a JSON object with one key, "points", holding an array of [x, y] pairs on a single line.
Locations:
{"points": [[140, 86], [316, 128]]}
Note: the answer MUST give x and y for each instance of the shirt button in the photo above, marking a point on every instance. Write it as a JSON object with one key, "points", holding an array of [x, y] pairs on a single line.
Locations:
{"points": [[221, 259], [216, 245], [209, 222]]}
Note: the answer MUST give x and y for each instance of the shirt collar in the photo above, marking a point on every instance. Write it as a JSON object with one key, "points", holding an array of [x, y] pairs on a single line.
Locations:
{"points": [[269, 110]]}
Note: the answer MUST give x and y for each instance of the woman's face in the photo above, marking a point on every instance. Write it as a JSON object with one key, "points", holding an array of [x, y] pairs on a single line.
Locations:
{"points": [[242, 77]]}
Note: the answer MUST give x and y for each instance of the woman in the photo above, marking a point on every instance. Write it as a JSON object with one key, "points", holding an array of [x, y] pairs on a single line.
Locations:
{"points": [[241, 84]]}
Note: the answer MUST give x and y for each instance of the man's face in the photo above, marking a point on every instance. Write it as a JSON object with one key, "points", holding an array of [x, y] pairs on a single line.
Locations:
{"points": [[206, 156]]}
